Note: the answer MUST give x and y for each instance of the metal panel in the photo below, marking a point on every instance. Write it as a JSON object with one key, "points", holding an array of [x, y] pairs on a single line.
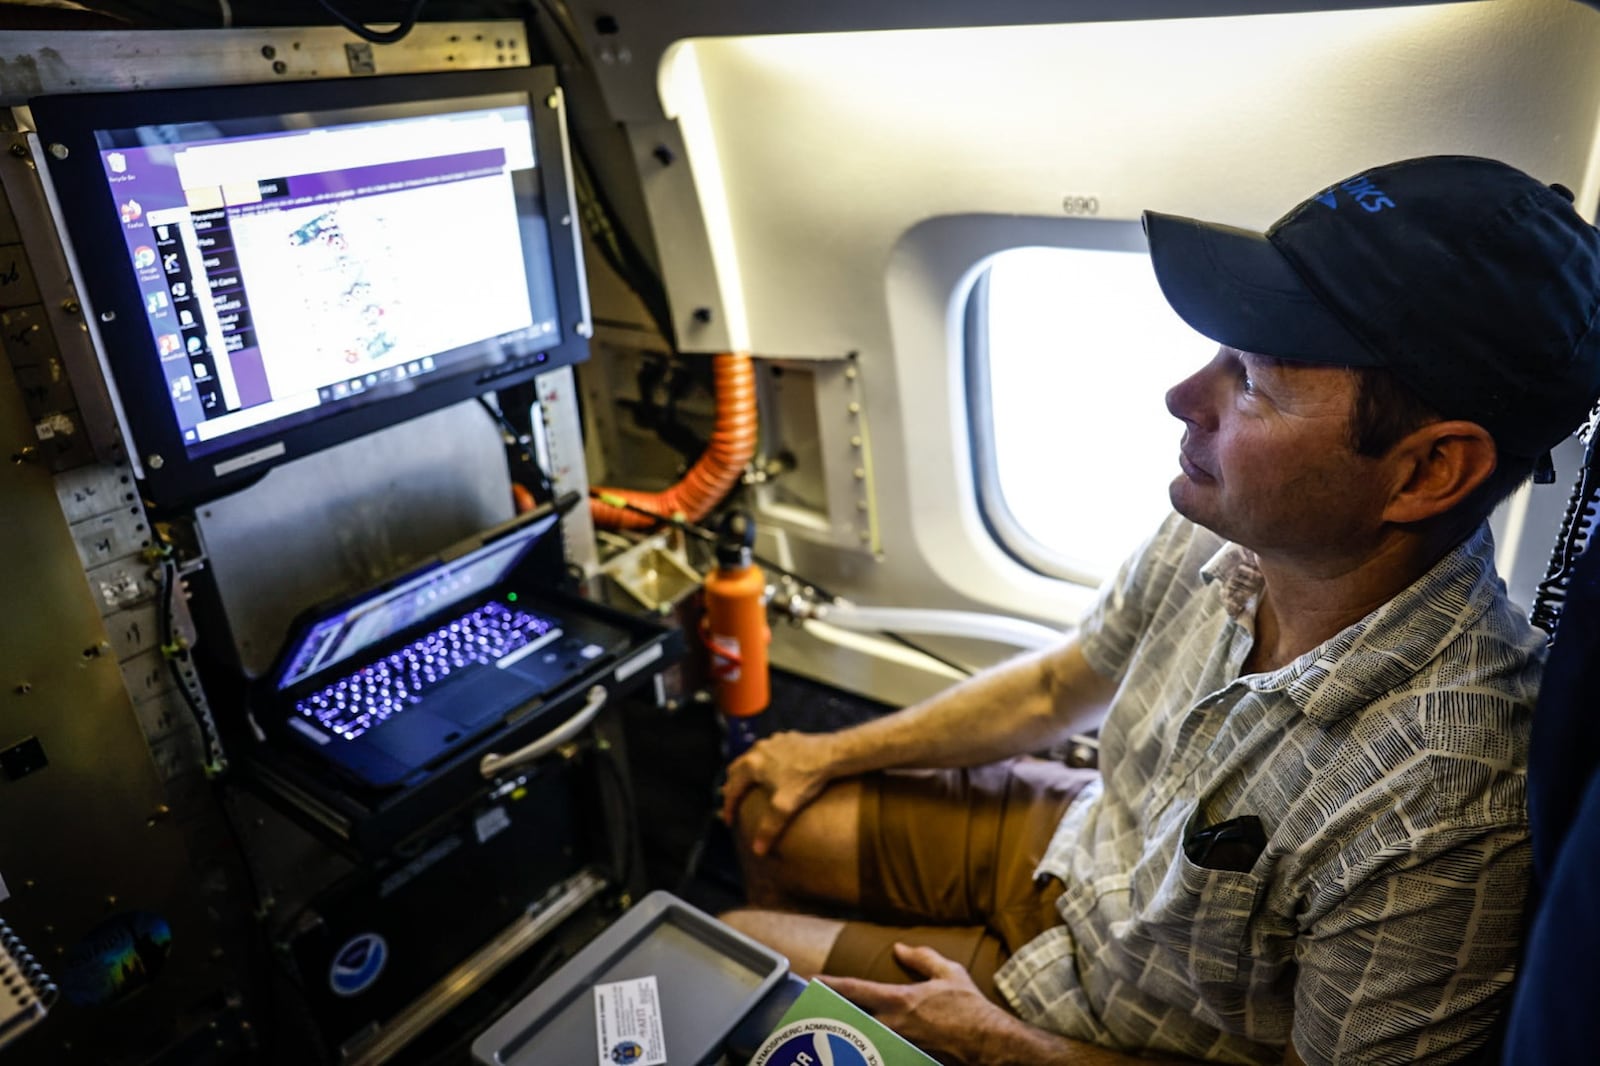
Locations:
{"points": [[76, 61], [563, 458], [814, 421], [341, 519], [86, 836]]}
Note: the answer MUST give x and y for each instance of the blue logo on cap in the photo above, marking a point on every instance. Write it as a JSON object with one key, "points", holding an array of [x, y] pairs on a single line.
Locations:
{"points": [[357, 964], [1328, 199]]}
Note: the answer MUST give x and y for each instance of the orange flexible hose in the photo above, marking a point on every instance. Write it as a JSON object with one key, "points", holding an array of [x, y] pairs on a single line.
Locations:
{"points": [[733, 443]]}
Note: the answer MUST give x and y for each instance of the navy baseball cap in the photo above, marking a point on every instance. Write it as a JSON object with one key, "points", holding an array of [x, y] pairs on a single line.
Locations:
{"points": [[1473, 283]]}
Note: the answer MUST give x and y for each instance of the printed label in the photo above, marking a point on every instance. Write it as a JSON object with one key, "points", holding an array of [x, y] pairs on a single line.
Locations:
{"points": [[627, 1021], [817, 1041]]}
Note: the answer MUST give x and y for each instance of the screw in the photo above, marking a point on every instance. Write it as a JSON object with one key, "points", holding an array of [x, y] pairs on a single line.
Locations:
{"points": [[19, 150], [854, 408], [268, 52], [59, 151], [664, 155], [849, 373], [855, 442], [553, 101], [583, 329], [155, 462], [24, 688], [279, 67], [71, 306], [702, 315]]}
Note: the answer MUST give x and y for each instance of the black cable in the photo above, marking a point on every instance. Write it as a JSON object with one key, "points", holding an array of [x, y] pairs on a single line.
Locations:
{"points": [[709, 537], [622, 858], [376, 36], [216, 762]]}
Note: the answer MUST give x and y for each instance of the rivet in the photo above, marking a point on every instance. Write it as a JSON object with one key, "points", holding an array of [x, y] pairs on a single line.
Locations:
{"points": [[861, 475], [59, 151], [849, 373], [155, 462], [855, 442], [854, 408]]}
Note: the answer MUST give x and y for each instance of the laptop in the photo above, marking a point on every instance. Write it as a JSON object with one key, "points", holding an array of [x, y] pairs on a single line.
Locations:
{"points": [[389, 682]]}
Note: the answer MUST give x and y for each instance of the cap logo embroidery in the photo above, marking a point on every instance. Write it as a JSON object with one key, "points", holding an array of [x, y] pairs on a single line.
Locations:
{"points": [[1329, 199], [1371, 198]]}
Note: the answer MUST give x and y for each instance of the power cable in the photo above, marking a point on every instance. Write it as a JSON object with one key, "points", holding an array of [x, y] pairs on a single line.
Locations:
{"points": [[376, 36]]}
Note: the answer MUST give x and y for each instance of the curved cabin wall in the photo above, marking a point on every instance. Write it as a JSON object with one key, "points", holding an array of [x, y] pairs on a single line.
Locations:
{"points": [[848, 184]]}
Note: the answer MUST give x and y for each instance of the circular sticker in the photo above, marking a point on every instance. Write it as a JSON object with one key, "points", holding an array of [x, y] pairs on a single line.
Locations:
{"points": [[626, 1051], [817, 1040], [357, 964]]}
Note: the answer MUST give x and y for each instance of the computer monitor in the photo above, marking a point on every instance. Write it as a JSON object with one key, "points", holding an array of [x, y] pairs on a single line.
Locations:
{"points": [[273, 269]]}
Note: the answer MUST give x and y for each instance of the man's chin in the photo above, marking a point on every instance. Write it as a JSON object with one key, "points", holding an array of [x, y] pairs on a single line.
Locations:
{"points": [[1184, 496]]}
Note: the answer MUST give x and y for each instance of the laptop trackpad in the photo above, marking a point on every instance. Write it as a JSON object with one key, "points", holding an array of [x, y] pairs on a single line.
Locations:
{"points": [[417, 737]]}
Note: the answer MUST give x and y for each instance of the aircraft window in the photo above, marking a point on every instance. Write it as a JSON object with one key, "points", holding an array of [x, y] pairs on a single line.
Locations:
{"points": [[1070, 352]]}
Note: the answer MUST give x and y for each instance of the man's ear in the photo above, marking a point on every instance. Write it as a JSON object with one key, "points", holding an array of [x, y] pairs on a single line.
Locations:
{"points": [[1437, 467]]}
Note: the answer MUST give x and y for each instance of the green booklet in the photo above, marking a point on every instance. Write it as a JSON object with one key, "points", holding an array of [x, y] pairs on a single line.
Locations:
{"points": [[822, 1028]]}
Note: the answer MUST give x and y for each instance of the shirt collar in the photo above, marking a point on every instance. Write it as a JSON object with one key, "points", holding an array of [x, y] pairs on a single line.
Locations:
{"points": [[1235, 567], [1378, 653]]}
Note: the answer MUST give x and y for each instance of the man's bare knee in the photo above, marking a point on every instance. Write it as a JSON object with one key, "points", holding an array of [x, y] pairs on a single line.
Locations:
{"points": [[817, 856], [805, 940]]}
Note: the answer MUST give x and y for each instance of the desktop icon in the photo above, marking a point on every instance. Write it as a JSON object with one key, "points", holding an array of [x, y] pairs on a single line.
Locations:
{"points": [[168, 343], [182, 388], [117, 162], [144, 256], [171, 263], [162, 232], [155, 303], [194, 344], [180, 289], [200, 372], [186, 318], [356, 386], [130, 211]]}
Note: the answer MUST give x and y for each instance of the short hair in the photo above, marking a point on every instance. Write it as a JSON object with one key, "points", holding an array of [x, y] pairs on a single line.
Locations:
{"points": [[1385, 410]]}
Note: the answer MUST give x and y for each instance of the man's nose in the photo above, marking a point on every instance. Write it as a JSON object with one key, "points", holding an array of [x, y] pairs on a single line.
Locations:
{"points": [[1190, 399]]}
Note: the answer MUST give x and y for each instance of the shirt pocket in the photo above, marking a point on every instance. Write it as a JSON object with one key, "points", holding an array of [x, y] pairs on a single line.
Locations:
{"points": [[1201, 916]]}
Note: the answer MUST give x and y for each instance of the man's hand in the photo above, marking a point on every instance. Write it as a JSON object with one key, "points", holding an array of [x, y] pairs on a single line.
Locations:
{"points": [[793, 768], [945, 1015]]}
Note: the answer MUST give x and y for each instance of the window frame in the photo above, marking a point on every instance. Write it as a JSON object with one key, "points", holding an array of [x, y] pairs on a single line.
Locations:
{"points": [[1107, 235]]}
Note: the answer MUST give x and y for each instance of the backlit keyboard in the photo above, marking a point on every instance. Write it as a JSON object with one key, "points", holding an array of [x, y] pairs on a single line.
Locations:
{"points": [[494, 633]]}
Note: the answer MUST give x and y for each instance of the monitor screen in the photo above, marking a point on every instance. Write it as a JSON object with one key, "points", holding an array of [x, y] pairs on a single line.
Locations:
{"points": [[275, 269]]}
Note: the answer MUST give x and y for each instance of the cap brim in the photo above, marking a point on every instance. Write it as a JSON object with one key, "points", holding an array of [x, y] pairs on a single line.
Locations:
{"points": [[1233, 286]]}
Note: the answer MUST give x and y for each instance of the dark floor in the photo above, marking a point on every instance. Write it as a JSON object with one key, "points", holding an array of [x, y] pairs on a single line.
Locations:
{"points": [[677, 760]]}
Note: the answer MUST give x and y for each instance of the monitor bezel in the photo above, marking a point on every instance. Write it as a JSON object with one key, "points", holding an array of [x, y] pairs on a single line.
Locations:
{"points": [[109, 291]]}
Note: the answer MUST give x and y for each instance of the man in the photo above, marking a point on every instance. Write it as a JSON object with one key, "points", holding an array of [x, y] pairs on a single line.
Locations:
{"points": [[1309, 839]]}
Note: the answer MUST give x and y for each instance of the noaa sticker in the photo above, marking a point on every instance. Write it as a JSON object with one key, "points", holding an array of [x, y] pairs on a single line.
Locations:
{"points": [[627, 1052], [815, 1041], [356, 965]]}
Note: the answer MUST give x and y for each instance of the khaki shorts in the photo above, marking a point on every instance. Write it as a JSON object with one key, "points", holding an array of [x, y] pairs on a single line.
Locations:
{"points": [[947, 860]]}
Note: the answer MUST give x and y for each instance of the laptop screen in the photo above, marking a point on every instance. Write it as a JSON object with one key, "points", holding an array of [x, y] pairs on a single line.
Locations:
{"points": [[436, 587]]}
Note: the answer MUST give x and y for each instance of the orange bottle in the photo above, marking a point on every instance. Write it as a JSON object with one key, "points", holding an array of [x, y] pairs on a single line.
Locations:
{"points": [[735, 627]]}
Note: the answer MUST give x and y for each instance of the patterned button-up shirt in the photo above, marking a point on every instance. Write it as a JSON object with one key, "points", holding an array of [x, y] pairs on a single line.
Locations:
{"points": [[1380, 923]]}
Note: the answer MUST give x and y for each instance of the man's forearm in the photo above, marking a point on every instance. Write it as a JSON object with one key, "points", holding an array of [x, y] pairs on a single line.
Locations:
{"points": [[1020, 706]]}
